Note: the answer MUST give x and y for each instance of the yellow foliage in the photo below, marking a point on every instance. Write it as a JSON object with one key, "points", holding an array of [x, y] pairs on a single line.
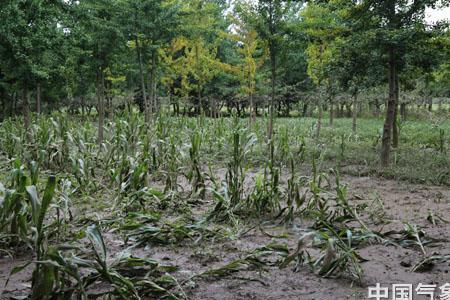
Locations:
{"points": [[247, 44]]}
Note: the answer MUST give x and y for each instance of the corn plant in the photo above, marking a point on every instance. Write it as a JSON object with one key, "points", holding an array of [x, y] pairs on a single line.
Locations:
{"points": [[342, 147], [294, 198], [15, 210], [12, 137], [13, 215], [229, 194], [317, 202], [337, 255], [149, 229], [172, 164], [29, 217], [283, 144], [63, 207], [241, 146], [39, 208], [265, 197], [83, 172], [411, 236], [72, 272], [441, 140], [195, 175], [222, 211], [435, 218], [255, 259]]}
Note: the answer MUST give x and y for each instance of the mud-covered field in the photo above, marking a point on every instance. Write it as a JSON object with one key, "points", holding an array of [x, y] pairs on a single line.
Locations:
{"points": [[210, 209], [396, 203]]}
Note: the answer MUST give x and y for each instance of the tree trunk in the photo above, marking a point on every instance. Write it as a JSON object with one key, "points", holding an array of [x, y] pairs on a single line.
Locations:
{"points": [[377, 109], [82, 105], [348, 110], [305, 110], [152, 86], [3, 109], [331, 111], [14, 105], [141, 73], [340, 110], [108, 86], [26, 113], [319, 121], [38, 98], [100, 105], [355, 111], [177, 102], [211, 108], [252, 110], [395, 129], [11, 104], [278, 108], [430, 103], [155, 98], [272, 100], [403, 112], [199, 99], [288, 109], [169, 94], [238, 109], [216, 108], [390, 112]]}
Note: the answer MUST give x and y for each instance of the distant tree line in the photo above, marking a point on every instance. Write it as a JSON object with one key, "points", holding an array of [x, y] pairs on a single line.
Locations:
{"points": [[266, 57]]}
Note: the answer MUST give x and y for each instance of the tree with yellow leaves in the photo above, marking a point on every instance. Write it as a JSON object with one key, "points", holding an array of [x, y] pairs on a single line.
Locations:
{"points": [[173, 68], [201, 64], [253, 54], [322, 27]]}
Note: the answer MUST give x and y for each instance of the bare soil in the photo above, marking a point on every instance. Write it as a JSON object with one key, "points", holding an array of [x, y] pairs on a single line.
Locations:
{"points": [[387, 265]]}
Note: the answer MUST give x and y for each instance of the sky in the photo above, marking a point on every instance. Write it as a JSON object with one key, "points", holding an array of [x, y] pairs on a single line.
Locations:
{"points": [[432, 15], [438, 14]]}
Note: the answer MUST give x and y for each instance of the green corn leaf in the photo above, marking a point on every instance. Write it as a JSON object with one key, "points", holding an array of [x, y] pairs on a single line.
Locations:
{"points": [[35, 203], [97, 242], [44, 281], [34, 172], [46, 200], [16, 270]]}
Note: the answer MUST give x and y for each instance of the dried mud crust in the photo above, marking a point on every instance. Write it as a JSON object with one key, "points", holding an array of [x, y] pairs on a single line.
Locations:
{"points": [[403, 202]]}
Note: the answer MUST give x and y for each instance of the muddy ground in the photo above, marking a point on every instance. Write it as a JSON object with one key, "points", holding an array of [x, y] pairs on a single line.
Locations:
{"points": [[403, 202]]}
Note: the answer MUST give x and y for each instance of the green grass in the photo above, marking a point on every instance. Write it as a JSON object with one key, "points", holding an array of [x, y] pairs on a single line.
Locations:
{"points": [[418, 158]]}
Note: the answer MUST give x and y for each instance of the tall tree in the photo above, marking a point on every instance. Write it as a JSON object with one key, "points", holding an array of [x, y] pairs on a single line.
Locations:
{"points": [[202, 22], [153, 25], [394, 26], [268, 17], [29, 30], [98, 22], [323, 26], [252, 53]]}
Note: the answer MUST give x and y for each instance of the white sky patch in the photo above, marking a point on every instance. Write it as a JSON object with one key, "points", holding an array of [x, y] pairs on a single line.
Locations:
{"points": [[431, 15], [437, 14]]}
